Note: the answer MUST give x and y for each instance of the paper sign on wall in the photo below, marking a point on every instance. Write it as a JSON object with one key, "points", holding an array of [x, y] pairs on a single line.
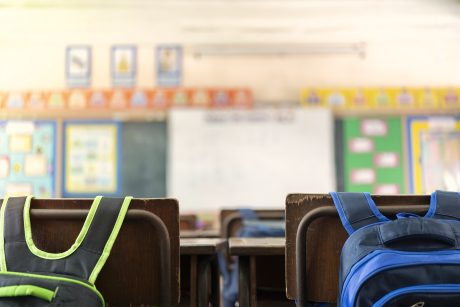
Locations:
{"points": [[124, 64], [169, 65], [78, 66], [4, 167]]}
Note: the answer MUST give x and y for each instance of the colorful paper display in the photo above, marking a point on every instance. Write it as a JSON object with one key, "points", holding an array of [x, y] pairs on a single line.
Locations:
{"points": [[382, 98], [116, 99], [373, 151], [92, 155], [27, 158], [434, 153]]}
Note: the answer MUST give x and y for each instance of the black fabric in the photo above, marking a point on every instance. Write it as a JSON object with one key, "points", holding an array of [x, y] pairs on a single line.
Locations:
{"points": [[357, 210], [390, 280], [102, 225], [13, 228], [69, 294], [79, 264], [447, 205], [426, 229]]}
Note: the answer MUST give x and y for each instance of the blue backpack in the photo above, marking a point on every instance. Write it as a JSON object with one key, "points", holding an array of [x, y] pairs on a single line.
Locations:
{"points": [[411, 261]]}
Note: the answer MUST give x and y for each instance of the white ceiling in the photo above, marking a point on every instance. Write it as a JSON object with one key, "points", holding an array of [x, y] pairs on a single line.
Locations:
{"points": [[226, 21]]}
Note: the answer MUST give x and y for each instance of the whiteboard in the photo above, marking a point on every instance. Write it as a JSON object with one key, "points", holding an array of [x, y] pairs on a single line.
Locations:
{"points": [[239, 158]]}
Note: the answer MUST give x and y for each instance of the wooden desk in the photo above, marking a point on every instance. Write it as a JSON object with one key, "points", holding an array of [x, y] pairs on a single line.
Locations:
{"points": [[248, 249], [197, 256], [199, 234]]}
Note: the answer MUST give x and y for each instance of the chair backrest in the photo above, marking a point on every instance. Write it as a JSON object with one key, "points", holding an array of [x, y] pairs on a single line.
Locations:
{"points": [[231, 220], [187, 221], [131, 275], [324, 240]]}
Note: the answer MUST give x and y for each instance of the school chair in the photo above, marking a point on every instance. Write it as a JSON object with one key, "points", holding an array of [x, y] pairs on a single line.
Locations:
{"points": [[232, 222]]}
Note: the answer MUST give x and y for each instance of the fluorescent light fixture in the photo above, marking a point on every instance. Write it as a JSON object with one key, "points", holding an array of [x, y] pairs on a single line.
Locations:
{"points": [[358, 49]]}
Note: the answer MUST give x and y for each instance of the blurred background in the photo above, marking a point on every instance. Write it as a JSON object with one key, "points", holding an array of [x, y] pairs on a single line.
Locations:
{"points": [[228, 103]]}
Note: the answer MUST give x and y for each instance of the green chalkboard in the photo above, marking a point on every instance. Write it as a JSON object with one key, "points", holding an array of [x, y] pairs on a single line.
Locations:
{"points": [[143, 164]]}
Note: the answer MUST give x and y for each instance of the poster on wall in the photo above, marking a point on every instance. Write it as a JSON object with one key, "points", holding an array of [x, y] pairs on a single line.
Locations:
{"points": [[91, 158], [78, 66], [27, 158], [123, 63], [373, 155], [169, 65], [434, 153]]}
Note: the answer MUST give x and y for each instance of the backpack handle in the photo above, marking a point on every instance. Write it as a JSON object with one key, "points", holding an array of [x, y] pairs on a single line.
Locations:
{"points": [[428, 233], [28, 290]]}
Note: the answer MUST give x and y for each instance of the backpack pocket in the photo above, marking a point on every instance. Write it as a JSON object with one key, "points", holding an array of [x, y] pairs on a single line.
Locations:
{"points": [[38, 290], [437, 295]]}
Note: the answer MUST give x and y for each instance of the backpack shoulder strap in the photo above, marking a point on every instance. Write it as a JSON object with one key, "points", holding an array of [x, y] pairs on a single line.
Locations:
{"points": [[104, 229], [444, 205], [356, 210]]}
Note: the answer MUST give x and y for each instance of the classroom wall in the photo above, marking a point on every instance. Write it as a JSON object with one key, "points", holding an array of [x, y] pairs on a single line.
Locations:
{"points": [[420, 48]]}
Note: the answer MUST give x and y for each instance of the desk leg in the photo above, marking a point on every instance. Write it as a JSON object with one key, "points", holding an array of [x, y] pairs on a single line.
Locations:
{"points": [[215, 282], [193, 281], [247, 281], [204, 263]]}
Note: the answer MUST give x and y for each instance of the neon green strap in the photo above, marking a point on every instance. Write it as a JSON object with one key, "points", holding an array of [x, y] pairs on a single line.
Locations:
{"points": [[113, 235], [28, 290], [2, 239]]}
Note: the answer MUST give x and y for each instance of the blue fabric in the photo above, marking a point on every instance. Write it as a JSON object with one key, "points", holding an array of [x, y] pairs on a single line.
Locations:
{"points": [[343, 218], [230, 277], [356, 210], [253, 230]]}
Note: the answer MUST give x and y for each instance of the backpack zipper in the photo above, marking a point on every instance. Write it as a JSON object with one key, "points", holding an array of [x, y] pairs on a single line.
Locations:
{"points": [[407, 261], [433, 288]]}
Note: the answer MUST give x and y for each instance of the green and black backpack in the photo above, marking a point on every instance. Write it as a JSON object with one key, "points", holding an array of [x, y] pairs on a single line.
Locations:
{"points": [[32, 277]]}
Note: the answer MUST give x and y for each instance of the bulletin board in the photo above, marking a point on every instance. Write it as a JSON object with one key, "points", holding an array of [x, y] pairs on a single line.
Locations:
{"points": [[225, 158], [27, 158], [434, 153], [91, 161], [373, 155]]}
